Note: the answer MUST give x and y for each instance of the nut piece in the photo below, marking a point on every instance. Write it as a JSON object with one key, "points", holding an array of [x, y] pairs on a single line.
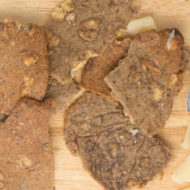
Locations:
{"points": [[62, 10], [141, 25], [89, 29], [70, 18], [157, 94], [23, 162], [52, 39], [29, 60], [28, 82], [91, 23], [173, 80]]}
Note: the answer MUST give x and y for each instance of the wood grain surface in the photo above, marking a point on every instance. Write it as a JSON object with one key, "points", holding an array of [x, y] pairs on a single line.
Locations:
{"points": [[69, 172]]}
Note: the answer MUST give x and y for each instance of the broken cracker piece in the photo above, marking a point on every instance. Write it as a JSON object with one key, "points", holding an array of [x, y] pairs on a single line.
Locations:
{"points": [[148, 78], [112, 150], [26, 156], [24, 66]]}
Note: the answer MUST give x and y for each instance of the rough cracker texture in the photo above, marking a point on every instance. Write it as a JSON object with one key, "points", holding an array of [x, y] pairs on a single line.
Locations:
{"points": [[25, 154], [111, 148], [97, 68], [149, 78], [63, 94], [24, 65], [91, 25]]}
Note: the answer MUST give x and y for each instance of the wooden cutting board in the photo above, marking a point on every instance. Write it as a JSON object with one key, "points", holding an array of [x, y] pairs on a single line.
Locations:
{"points": [[69, 172]]}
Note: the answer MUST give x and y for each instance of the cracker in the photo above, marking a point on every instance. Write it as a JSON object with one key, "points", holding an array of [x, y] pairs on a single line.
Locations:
{"points": [[26, 156], [24, 65]]}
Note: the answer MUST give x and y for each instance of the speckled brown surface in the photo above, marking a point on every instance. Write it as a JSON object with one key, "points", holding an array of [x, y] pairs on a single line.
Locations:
{"points": [[24, 64], [147, 80], [25, 153], [111, 148], [91, 26]]}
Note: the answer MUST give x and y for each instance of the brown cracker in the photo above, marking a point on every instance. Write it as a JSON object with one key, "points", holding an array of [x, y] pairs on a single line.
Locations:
{"points": [[112, 149], [149, 78], [25, 153], [24, 65]]}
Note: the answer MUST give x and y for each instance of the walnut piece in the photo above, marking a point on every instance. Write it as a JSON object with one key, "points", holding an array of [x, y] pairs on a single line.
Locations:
{"points": [[70, 18], [29, 61], [23, 162], [157, 94], [141, 25], [62, 10], [89, 29]]}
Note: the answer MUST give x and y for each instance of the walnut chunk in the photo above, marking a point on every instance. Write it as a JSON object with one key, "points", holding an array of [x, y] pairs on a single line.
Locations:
{"points": [[157, 94], [23, 162], [89, 35], [70, 18], [91, 23], [28, 82], [173, 80], [29, 61], [89, 29], [53, 40], [62, 10]]}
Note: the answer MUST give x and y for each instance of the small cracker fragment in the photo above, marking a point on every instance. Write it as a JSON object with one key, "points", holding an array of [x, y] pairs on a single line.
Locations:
{"points": [[24, 64], [112, 149], [25, 153], [148, 79], [97, 68]]}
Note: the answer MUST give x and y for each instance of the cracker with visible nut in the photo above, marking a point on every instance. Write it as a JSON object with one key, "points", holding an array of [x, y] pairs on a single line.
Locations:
{"points": [[25, 153], [149, 78], [97, 68], [64, 94], [24, 64], [91, 25], [112, 149]]}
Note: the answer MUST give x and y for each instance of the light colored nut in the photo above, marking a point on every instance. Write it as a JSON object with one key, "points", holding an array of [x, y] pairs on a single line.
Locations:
{"points": [[134, 131], [70, 18], [91, 23], [53, 40], [67, 6], [88, 35], [157, 94], [29, 61], [173, 80], [141, 25], [58, 14], [23, 162], [62, 10], [28, 82]]}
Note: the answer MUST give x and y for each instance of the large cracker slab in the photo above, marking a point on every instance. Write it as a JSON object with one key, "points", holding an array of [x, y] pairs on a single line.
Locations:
{"points": [[91, 25], [97, 68], [112, 149], [26, 158], [24, 65], [149, 78]]}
